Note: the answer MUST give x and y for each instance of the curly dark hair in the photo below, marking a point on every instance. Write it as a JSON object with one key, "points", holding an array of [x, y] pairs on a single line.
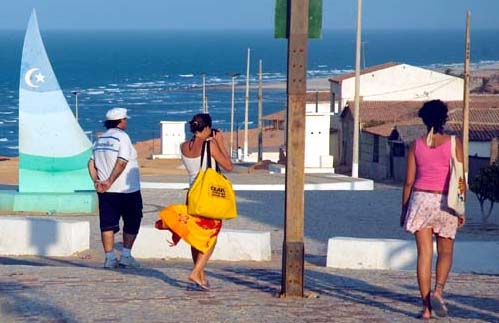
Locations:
{"points": [[434, 115], [108, 124], [199, 122]]}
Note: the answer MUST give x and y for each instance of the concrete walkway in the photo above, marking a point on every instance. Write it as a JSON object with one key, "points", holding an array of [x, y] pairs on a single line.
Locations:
{"points": [[263, 181], [76, 290]]}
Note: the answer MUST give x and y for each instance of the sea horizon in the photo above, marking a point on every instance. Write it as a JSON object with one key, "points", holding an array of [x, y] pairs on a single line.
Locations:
{"points": [[156, 74]]}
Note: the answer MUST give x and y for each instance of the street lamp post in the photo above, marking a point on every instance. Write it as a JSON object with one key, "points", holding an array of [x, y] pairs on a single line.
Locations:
{"points": [[76, 93], [205, 107], [233, 77]]}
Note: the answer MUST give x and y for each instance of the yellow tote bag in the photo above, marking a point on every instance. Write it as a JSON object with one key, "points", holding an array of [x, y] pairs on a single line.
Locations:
{"points": [[211, 195]]}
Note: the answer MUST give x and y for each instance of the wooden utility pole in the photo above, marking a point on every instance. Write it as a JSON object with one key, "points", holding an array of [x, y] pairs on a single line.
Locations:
{"points": [[260, 111], [466, 96], [293, 248], [246, 108], [356, 121]]}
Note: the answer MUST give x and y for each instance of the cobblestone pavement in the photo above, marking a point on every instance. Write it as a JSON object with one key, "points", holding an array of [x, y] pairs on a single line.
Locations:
{"points": [[77, 289], [74, 290]]}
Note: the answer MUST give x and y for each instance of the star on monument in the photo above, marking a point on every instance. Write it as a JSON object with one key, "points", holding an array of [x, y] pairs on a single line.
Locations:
{"points": [[40, 78]]}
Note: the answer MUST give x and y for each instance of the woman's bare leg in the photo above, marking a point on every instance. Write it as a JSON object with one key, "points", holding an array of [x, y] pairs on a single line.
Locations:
{"points": [[445, 249], [197, 275], [424, 243]]}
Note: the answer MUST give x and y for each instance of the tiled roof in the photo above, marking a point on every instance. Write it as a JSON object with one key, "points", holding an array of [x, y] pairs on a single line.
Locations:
{"points": [[384, 111], [322, 96], [279, 116], [478, 132], [340, 78], [484, 118]]}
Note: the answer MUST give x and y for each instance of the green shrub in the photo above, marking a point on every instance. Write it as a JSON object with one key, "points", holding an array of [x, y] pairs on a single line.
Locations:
{"points": [[485, 185]]}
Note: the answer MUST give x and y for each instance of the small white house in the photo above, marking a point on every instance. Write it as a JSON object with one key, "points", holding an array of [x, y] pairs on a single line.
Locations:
{"points": [[396, 82], [172, 135]]}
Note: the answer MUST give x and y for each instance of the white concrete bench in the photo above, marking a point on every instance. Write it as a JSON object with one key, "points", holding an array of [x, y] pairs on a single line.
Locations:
{"points": [[232, 245], [42, 236], [357, 253]]}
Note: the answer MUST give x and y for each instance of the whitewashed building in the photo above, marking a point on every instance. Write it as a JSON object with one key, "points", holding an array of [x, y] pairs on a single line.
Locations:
{"points": [[396, 82], [389, 82]]}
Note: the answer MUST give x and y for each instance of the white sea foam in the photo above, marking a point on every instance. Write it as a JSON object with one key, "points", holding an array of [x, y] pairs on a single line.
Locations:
{"points": [[12, 147], [4, 139], [94, 92], [182, 112], [6, 112], [186, 75]]}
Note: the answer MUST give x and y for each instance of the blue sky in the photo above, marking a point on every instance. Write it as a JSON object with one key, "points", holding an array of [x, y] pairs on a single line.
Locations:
{"points": [[243, 14]]}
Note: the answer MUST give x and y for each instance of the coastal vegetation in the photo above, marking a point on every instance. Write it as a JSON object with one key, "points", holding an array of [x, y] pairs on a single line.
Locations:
{"points": [[485, 185]]}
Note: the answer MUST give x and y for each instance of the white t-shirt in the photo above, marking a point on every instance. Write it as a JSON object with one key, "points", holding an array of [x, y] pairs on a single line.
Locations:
{"points": [[111, 145]]}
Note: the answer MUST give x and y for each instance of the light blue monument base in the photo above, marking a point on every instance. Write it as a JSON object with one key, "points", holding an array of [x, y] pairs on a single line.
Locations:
{"points": [[77, 202]]}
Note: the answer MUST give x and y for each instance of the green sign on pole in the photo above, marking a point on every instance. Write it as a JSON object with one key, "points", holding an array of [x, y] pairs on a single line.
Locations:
{"points": [[314, 19]]}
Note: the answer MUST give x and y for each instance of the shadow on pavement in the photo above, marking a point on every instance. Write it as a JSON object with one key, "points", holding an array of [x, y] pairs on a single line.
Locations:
{"points": [[35, 307]]}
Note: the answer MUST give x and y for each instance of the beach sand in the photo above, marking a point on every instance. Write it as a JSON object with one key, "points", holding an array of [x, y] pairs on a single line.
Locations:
{"points": [[272, 139]]}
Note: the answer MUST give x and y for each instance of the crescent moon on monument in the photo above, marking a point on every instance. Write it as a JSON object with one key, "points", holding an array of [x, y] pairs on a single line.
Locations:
{"points": [[27, 77]]}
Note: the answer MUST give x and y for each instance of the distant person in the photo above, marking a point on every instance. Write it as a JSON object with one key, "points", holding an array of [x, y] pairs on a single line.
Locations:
{"points": [[200, 126], [114, 169], [239, 154], [424, 204]]}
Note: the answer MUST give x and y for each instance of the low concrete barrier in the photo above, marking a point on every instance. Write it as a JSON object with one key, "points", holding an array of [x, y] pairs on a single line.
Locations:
{"points": [[42, 236], [232, 245], [357, 253]]}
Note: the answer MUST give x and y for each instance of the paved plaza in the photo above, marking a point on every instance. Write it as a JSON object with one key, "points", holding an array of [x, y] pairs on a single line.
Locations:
{"points": [[77, 289]]}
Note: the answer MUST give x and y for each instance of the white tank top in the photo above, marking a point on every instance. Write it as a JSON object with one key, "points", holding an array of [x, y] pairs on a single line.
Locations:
{"points": [[192, 165]]}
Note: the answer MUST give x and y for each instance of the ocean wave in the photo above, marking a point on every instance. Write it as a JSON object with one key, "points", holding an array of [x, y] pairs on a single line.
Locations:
{"points": [[12, 147], [186, 75], [4, 139], [94, 92], [182, 112], [6, 112]]}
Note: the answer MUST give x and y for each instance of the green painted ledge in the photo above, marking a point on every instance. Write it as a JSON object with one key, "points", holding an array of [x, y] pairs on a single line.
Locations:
{"points": [[48, 203]]}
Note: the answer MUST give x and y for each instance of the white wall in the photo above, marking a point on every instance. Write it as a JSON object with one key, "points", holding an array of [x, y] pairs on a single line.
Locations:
{"points": [[172, 135], [480, 148], [403, 82], [322, 107], [316, 138]]}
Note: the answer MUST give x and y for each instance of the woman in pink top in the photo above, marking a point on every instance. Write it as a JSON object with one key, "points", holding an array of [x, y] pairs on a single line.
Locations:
{"points": [[424, 204]]}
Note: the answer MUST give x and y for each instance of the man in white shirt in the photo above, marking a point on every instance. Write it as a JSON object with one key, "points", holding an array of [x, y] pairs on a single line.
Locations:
{"points": [[114, 170]]}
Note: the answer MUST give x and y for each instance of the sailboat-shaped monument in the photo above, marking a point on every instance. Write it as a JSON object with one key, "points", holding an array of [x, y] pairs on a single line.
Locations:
{"points": [[53, 149]]}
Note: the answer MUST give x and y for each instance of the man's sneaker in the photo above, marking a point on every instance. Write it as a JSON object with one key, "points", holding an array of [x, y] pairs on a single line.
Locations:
{"points": [[129, 262], [111, 263]]}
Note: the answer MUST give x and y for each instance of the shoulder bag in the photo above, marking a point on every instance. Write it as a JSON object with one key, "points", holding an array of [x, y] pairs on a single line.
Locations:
{"points": [[211, 195], [455, 196]]}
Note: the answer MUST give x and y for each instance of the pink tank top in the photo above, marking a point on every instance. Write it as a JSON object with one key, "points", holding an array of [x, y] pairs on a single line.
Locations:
{"points": [[432, 166]]}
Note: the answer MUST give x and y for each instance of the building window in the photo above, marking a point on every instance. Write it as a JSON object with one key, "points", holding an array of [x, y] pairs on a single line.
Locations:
{"points": [[376, 149]]}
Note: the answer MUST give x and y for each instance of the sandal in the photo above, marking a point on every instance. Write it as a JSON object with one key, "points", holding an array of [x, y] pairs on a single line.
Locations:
{"points": [[438, 306]]}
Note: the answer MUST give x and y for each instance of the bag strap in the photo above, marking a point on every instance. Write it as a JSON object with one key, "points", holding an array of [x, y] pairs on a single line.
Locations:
{"points": [[208, 156], [453, 146], [202, 154]]}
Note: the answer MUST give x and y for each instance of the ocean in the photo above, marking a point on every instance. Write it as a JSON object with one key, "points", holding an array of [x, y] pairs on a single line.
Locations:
{"points": [[157, 74]]}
